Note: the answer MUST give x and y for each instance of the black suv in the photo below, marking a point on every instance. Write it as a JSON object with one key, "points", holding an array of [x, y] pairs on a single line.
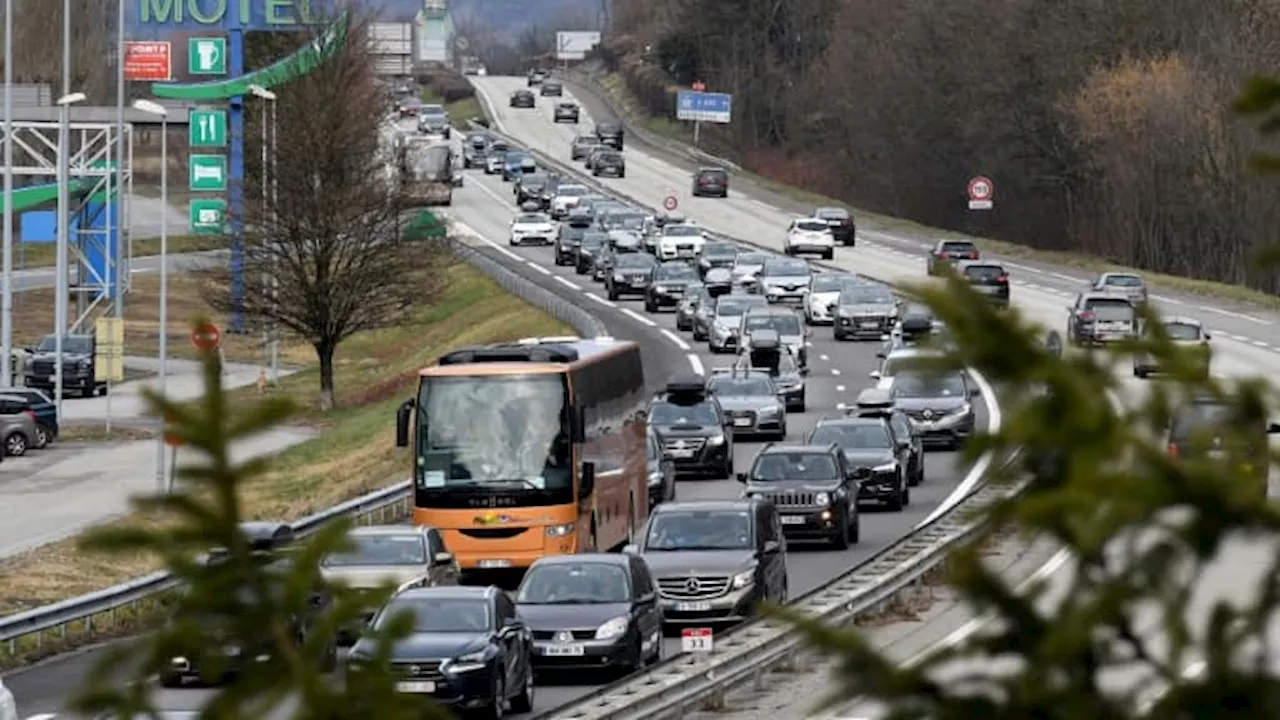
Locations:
{"points": [[631, 273], [610, 134], [987, 278], [592, 245], [670, 279], [711, 181], [695, 431], [533, 188], [568, 240], [876, 460], [79, 355], [814, 488], [715, 560], [878, 403]]}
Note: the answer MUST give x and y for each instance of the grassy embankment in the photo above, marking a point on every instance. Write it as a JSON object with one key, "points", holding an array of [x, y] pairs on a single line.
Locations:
{"points": [[615, 87]]}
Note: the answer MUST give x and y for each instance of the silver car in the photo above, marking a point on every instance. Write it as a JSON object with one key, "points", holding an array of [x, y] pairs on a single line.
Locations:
{"points": [[791, 332], [1130, 285], [695, 296], [746, 268], [865, 311], [18, 428], [751, 400], [1185, 333], [784, 279], [899, 360], [726, 321]]}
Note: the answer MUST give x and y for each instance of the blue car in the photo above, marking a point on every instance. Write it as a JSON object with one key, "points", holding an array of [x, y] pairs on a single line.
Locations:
{"points": [[517, 163]]}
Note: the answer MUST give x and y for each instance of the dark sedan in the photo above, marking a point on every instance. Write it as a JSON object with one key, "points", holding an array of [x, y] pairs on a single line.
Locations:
{"points": [[468, 648], [939, 405], [591, 611], [670, 280], [523, 99]]}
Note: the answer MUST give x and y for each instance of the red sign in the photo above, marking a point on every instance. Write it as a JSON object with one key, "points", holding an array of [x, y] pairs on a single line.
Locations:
{"points": [[696, 640], [670, 203], [170, 438], [206, 337], [148, 61], [981, 188], [699, 86]]}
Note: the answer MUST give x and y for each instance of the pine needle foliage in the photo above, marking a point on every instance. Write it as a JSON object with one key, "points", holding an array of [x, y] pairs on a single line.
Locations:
{"points": [[242, 597], [1113, 635]]}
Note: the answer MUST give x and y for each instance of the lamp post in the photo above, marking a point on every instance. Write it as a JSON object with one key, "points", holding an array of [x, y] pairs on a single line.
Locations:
{"points": [[153, 108], [272, 339], [64, 104], [6, 306]]}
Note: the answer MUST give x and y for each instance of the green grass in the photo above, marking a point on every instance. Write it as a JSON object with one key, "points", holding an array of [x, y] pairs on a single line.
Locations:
{"points": [[460, 110], [615, 89], [45, 254], [355, 453]]}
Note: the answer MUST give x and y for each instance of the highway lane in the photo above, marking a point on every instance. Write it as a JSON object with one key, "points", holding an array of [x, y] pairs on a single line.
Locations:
{"points": [[1238, 351], [484, 207]]}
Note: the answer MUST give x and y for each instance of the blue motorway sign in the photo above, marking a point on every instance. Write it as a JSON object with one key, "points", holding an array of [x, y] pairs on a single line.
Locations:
{"points": [[704, 106]]}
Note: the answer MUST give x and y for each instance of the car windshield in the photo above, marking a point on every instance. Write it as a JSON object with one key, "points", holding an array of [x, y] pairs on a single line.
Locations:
{"points": [[832, 213], [751, 259], [534, 180], [751, 386], [635, 261], [699, 530], [812, 226], [587, 140], [786, 268], [73, 345], [866, 295], [585, 583], [713, 174], [1110, 310], [433, 110], [400, 549], [788, 324], [592, 241], [681, 231], [852, 437], [689, 416], [719, 250], [828, 282], [532, 219], [477, 140], [677, 271], [438, 615], [928, 385], [812, 466], [1182, 331], [983, 272], [959, 248], [571, 191], [609, 157], [730, 308], [517, 156], [1125, 281]]}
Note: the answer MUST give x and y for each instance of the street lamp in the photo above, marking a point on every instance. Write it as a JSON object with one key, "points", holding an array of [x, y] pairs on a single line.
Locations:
{"points": [[154, 108], [264, 94], [64, 104]]}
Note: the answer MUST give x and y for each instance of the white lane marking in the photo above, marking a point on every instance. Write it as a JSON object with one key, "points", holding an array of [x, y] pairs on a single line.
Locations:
{"points": [[835, 371], [679, 341], [568, 283], [1236, 315], [979, 469], [1260, 344], [840, 388], [1023, 268], [840, 406], [538, 267], [1061, 276], [1167, 300], [638, 317], [696, 363], [602, 301], [504, 202], [823, 358]]}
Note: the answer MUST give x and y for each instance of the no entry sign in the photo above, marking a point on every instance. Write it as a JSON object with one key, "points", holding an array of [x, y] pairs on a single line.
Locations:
{"points": [[981, 190], [206, 337]]}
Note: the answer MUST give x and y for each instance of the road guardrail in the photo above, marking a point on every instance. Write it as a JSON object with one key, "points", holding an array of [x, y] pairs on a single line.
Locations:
{"points": [[46, 630]]}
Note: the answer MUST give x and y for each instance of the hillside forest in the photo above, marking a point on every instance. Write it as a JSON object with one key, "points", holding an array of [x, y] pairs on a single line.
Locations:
{"points": [[1108, 127]]}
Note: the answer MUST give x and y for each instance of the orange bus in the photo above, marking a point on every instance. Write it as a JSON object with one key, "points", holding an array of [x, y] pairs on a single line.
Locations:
{"points": [[530, 448]]}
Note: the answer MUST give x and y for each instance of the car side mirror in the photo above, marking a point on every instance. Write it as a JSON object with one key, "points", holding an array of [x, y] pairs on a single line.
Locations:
{"points": [[975, 392], [587, 484], [1208, 337], [742, 478], [403, 413], [804, 372], [874, 375], [631, 549], [771, 547], [444, 558]]}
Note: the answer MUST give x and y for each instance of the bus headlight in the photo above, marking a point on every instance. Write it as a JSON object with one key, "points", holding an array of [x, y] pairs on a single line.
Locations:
{"points": [[560, 530]]}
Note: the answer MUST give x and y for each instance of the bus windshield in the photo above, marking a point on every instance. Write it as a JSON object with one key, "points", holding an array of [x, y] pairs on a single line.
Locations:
{"points": [[495, 432], [427, 164]]}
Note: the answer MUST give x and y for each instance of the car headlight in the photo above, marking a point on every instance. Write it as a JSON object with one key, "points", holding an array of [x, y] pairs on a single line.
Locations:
{"points": [[655, 478], [560, 530], [616, 627], [770, 411], [716, 440], [617, 277], [822, 499], [964, 410], [466, 662], [744, 579], [885, 468]]}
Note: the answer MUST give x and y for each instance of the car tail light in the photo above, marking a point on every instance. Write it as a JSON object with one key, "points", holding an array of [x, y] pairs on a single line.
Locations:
{"points": [[1086, 315], [1003, 280], [973, 256], [847, 221], [703, 181], [944, 255], [30, 413]]}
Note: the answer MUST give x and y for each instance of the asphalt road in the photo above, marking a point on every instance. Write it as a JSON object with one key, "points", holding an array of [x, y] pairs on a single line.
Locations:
{"points": [[1246, 339], [44, 277], [484, 209]]}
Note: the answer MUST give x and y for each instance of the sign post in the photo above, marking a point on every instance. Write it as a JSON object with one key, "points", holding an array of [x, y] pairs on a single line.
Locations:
{"points": [[700, 107], [981, 190], [148, 61]]}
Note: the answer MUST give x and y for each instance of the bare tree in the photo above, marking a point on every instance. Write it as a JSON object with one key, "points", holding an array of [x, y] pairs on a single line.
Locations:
{"points": [[327, 233], [37, 45]]}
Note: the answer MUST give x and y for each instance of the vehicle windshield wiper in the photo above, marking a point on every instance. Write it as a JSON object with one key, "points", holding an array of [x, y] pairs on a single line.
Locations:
{"points": [[492, 483]]}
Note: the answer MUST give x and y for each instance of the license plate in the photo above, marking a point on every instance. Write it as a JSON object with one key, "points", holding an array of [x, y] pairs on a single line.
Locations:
{"points": [[564, 650], [495, 563], [681, 453], [693, 606], [416, 686], [742, 422], [792, 519], [869, 324]]}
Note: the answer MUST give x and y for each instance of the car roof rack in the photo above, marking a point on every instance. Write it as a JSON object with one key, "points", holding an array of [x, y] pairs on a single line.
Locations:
{"points": [[764, 339], [872, 402], [685, 388]]}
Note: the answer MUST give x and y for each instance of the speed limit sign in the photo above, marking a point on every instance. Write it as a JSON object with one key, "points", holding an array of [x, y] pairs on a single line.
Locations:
{"points": [[981, 189], [670, 203]]}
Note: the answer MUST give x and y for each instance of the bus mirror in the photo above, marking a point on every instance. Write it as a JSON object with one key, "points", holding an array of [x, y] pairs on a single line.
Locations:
{"points": [[402, 423], [587, 484]]}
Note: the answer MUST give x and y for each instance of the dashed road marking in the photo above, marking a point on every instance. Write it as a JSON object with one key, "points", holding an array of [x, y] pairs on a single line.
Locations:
{"points": [[568, 283], [638, 317], [602, 301], [679, 341]]}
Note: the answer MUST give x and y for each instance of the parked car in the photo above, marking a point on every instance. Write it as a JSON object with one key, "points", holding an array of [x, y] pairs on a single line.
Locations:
{"points": [[46, 412], [19, 430]]}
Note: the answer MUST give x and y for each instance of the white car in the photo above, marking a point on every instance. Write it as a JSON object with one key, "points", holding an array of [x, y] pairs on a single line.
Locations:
{"points": [[810, 236], [566, 199], [493, 164], [682, 240], [533, 228], [8, 707], [824, 291]]}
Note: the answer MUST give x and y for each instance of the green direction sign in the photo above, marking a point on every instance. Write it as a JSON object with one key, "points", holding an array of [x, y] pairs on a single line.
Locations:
{"points": [[208, 128], [208, 216], [207, 56], [207, 173]]}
